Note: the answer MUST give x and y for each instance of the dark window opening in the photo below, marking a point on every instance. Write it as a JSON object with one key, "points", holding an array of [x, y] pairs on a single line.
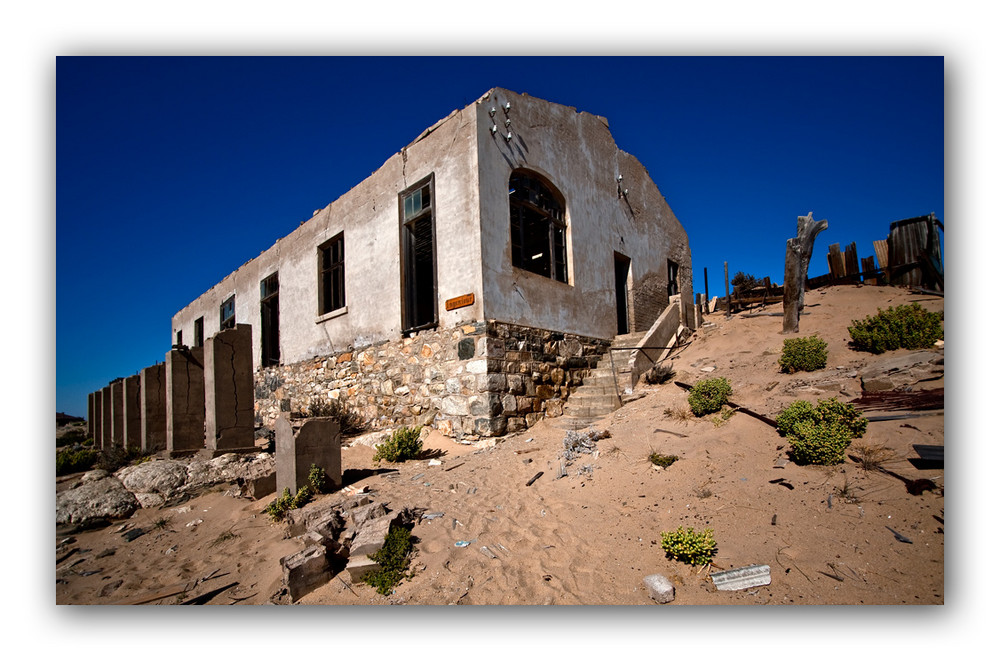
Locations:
{"points": [[270, 352], [227, 313], [418, 258], [537, 226], [673, 268], [180, 339], [199, 331], [331, 275]]}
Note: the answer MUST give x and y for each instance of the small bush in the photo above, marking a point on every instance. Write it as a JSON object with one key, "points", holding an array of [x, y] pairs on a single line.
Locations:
{"points": [[393, 559], [903, 327], [658, 374], [662, 460], [743, 283], [403, 444], [820, 435], [686, 545], [803, 354], [277, 508], [709, 395], [75, 461], [872, 456], [351, 422]]}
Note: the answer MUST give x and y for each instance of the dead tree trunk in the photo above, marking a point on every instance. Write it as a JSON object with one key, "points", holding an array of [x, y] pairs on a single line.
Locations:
{"points": [[798, 252]]}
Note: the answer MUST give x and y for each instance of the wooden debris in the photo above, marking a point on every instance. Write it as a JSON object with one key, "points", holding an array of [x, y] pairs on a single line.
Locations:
{"points": [[455, 466], [933, 453], [899, 537], [532, 480], [899, 400]]}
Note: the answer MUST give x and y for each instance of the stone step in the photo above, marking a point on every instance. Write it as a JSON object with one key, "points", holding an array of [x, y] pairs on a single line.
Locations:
{"points": [[594, 399]]}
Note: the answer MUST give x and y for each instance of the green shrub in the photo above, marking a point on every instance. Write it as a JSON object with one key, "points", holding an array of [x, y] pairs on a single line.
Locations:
{"points": [[75, 461], [709, 395], [803, 354], [403, 444], [686, 545], [820, 435], [903, 327], [277, 508], [393, 559]]}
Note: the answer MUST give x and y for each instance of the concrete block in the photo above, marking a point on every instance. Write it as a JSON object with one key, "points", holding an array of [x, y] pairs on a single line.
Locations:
{"points": [[371, 535], [229, 391], [305, 571], [153, 408], [118, 413], [185, 369], [298, 447], [358, 566], [661, 590], [131, 412], [320, 517], [364, 513], [106, 418]]}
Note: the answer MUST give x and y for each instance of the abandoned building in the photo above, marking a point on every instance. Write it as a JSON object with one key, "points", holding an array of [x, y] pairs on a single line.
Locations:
{"points": [[471, 283]]}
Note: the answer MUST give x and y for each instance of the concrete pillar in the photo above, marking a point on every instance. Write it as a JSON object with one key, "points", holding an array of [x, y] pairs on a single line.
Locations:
{"points": [[132, 424], [297, 447], [117, 414], [229, 391], [106, 418], [153, 408], [185, 370], [98, 419], [90, 415]]}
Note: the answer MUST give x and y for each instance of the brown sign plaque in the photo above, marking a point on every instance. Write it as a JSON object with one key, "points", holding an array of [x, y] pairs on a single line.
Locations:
{"points": [[459, 302]]}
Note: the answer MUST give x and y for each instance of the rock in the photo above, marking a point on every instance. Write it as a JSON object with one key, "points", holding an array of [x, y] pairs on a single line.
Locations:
{"points": [[903, 369], [660, 589], [95, 502], [164, 477], [305, 571]]}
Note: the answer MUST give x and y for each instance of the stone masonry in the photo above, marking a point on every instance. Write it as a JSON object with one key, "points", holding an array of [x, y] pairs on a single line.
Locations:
{"points": [[477, 380]]}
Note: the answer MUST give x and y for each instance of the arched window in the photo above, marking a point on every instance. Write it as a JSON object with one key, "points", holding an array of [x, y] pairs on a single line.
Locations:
{"points": [[537, 226]]}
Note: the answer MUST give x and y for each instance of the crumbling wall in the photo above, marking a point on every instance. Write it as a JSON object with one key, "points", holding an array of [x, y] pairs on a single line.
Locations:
{"points": [[472, 381]]}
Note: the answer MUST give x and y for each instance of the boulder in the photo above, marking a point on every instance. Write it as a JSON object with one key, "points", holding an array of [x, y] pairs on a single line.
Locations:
{"points": [[163, 477], [95, 502]]}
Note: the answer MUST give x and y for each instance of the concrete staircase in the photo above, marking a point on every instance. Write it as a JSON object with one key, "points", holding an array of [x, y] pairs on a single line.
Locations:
{"points": [[598, 396]]}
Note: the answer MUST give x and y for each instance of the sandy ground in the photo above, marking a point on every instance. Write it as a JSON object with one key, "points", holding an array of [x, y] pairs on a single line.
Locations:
{"points": [[591, 537]]}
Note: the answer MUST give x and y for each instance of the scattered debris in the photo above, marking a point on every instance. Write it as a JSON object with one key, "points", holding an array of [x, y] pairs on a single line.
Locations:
{"points": [[532, 480], [781, 481], [434, 462], [433, 515], [742, 578], [463, 544], [485, 550], [455, 466]]}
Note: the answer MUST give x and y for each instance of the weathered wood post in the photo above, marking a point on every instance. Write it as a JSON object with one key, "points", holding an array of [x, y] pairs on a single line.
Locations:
{"points": [[798, 252], [706, 291], [729, 303]]}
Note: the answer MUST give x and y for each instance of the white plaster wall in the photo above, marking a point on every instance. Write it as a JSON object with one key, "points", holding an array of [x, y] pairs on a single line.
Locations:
{"points": [[574, 151], [368, 215]]}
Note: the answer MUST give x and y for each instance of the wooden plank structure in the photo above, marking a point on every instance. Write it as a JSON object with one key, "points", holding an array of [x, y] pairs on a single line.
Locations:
{"points": [[914, 257]]}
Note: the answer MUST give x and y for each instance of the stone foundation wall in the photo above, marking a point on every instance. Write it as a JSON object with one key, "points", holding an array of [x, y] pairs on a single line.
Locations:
{"points": [[476, 380]]}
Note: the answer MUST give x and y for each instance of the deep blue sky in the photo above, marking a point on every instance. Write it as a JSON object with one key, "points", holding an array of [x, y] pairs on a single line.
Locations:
{"points": [[172, 172]]}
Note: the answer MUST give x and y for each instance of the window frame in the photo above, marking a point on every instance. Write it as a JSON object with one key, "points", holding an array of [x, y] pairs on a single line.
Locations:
{"points": [[535, 210], [226, 322], [410, 292], [336, 271]]}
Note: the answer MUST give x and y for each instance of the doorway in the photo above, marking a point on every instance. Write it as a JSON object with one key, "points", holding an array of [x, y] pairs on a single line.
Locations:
{"points": [[622, 267]]}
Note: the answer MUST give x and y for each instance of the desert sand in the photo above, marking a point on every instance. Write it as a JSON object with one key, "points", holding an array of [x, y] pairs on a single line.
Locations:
{"points": [[830, 535]]}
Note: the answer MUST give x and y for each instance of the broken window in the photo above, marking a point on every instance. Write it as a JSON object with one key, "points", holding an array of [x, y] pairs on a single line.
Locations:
{"points": [[227, 313], [269, 347], [537, 226], [199, 331], [418, 257], [331, 275]]}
